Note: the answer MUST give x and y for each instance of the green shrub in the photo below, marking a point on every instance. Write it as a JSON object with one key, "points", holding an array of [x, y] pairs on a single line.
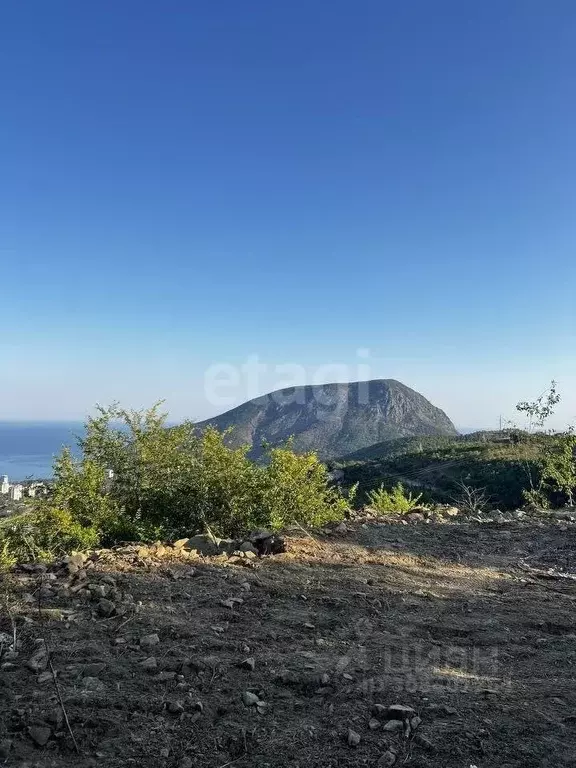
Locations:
{"points": [[167, 482], [43, 535], [295, 489], [395, 500]]}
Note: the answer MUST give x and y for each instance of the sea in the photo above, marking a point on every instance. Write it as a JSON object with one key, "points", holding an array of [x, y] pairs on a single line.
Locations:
{"points": [[28, 448]]}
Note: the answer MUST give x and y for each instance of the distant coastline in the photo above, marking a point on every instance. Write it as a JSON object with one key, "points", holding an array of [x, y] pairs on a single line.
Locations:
{"points": [[28, 448]]}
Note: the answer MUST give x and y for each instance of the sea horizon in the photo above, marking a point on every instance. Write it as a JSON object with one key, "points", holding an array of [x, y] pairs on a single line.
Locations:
{"points": [[28, 447]]}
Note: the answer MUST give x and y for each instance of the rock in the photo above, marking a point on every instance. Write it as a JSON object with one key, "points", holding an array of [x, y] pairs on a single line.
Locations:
{"points": [[149, 640], [203, 544], [185, 762], [341, 528], [44, 677], [110, 580], [180, 544], [175, 707], [250, 699], [106, 607], [149, 663], [33, 567], [386, 760], [98, 590], [450, 511], [55, 718], [248, 664], [379, 710], [399, 712], [442, 710], [393, 726], [415, 722], [373, 723], [247, 546], [249, 555], [424, 742], [353, 738], [39, 660], [198, 706], [39, 734], [269, 544]]}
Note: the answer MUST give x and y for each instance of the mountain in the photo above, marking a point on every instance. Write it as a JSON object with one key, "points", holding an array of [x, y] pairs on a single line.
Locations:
{"points": [[333, 419]]}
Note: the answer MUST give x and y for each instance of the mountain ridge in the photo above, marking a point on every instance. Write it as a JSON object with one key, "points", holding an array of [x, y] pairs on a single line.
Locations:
{"points": [[333, 419]]}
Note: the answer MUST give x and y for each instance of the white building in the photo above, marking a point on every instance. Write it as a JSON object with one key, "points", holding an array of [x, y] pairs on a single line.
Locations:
{"points": [[16, 492], [4, 485]]}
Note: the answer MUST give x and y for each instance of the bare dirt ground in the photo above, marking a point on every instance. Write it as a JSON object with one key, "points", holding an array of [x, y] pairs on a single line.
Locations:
{"points": [[281, 661]]}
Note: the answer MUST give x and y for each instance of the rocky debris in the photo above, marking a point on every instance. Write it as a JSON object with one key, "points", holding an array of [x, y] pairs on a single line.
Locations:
{"points": [[39, 659], [231, 602], [251, 699], [353, 738], [422, 513], [74, 562], [267, 543], [185, 762], [415, 722], [148, 641], [106, 608], [399, 712], [387, 759], [39, 734], [424, 742], [149, 663], [374, 723], [393, 726], [442, 710], [175, 707], [249, 664], [203, 544]]}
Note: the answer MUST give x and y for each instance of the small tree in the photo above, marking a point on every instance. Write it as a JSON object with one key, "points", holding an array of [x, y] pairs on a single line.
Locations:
{"points": [[540, 409]]}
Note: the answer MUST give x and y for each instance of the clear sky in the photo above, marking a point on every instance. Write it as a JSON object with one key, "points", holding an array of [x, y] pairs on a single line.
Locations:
{"points": [[188, 184]]}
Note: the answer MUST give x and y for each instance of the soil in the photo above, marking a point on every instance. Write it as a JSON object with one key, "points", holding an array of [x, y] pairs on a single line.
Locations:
{"points": [[280, 661]]}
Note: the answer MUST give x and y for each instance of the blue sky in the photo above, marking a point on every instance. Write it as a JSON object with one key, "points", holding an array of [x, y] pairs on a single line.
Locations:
{"points": [[188, 184]]}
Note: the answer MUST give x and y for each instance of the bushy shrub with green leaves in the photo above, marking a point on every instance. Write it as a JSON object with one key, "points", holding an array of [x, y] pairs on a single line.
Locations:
{"points": [[167, 482], [43, 534], [295, 488], [394, 500]]}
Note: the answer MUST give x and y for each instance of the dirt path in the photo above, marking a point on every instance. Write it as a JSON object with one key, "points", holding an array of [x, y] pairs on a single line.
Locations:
{"points": [[472, 626]]}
